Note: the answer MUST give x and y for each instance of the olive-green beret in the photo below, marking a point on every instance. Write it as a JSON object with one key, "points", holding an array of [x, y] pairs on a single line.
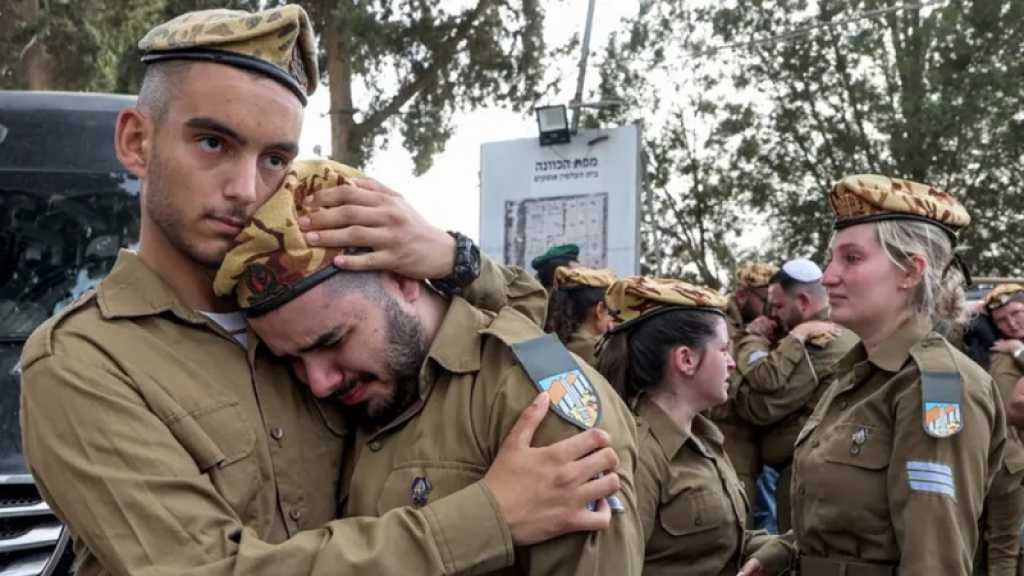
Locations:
{"points": [[271, 263], [277, 43], [571, 251]]}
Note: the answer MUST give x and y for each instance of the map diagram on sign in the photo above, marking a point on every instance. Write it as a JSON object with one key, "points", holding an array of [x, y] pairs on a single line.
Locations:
{"points": [[535, 224]]}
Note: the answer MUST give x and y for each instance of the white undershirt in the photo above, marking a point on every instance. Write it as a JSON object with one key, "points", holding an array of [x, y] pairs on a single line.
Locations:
{"points": [[233, 323]]}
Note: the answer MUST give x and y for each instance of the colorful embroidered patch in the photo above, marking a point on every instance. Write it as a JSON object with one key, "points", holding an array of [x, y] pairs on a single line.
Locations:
{"points": [[931, 477], [942, 419], [573, 397]]}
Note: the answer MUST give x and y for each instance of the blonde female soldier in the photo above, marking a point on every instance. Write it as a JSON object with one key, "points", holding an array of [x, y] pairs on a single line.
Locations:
{"points": [[891, 470], [670, 359]]}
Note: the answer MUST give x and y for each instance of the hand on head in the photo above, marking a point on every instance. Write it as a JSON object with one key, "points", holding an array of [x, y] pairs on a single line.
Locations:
{"points": [[371, 215]]}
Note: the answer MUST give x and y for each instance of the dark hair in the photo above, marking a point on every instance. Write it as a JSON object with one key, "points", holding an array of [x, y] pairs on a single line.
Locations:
{"points": [[634, 359], [568, 309], [546, 273], [979, 336]]}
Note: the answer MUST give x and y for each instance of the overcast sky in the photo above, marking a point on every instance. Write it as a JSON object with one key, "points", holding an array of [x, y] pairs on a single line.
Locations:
{"points": [[448, 195]]}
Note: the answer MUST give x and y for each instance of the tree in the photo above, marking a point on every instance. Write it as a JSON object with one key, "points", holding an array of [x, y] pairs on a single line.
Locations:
{"points": [[844, 87], [391, 65], [409, 65]]}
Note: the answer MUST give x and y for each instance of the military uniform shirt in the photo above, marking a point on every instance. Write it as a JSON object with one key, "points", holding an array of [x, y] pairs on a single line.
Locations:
{"points": [[870, 484], [472, 391], [692, 505], [583, 343], [1004, 503], [168, 449]]}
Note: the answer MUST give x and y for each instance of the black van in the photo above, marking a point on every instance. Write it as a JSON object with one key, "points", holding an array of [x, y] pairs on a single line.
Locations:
{"points": [[66, 207]]}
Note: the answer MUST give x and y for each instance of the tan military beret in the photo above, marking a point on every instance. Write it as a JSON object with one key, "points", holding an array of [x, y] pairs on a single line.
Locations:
{"points": [[1002, 295], [637, 297], [870, 198], [754, 274], [579, 276], [278, 43], [271, 263]]}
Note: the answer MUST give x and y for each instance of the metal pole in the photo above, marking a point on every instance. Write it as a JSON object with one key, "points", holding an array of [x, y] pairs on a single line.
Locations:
{"points": [[578, 100]]}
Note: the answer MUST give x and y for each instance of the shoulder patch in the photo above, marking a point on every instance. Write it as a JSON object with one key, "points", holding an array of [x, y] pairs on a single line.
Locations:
{"points": [[553, 370], [756, 355], [941, 388]]}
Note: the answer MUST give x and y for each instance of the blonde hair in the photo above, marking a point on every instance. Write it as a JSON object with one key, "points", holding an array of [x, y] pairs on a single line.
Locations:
{"points": [[940, 294]]}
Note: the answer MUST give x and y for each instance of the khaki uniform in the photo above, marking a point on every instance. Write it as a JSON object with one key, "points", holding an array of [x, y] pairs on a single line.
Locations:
{"points": [[1004, 503], [779, 388], [471, 393], [583, 343], [692, 506], [168, 449], [871, 487]]}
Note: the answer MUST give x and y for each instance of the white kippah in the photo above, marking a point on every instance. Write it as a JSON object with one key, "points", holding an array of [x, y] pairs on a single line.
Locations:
{"points": [[802, 270]]}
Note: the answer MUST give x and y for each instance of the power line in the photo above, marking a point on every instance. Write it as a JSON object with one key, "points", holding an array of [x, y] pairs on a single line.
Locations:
{"points": [[805, 30]]}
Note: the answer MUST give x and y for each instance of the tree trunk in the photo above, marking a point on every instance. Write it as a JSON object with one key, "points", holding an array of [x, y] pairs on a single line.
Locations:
{"points": [[37, 66], [339, 75]]}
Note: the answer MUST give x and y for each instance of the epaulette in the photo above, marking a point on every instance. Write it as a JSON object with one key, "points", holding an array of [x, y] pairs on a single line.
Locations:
{"points": [[552, 369], [40, 343], [941, 387]]}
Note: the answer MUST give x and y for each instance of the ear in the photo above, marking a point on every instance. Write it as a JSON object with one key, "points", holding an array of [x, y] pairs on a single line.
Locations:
{"points": [[133, 140], [803, 301], [914, 273], [409, 288], [684, 360]]}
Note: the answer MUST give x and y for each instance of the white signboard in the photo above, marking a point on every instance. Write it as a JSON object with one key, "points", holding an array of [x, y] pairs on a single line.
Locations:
{"points": [[585, 192]]}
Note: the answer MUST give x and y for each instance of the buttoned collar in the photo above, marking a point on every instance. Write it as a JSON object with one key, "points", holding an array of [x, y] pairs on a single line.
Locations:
{"points": [[457, 345], [894, 352], [668, 434], [133, 289]]}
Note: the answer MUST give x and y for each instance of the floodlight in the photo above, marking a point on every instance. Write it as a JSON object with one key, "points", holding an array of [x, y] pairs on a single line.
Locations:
{"points": [[553, 124]]}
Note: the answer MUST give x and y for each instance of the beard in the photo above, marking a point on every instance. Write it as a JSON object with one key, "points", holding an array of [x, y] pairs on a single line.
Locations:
{"points": [[403, 357], [172, 220]]}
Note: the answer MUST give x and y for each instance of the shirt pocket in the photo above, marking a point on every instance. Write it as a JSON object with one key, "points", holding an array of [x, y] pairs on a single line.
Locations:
{"points": [[694, 512], [221, 440], [420, 483], [854, 481]]}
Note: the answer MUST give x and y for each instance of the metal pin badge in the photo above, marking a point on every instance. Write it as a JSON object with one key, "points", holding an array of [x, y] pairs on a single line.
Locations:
{"points": [[421, 491], [857, 440]]}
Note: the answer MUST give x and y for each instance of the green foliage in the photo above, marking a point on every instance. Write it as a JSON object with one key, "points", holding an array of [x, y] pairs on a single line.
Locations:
{"points": [[932, 95], [413, 63]]}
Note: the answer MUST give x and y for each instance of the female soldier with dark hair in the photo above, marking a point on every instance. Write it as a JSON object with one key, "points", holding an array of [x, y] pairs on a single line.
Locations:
{"points": [[891, 469], [577, 313], [670, 360]]}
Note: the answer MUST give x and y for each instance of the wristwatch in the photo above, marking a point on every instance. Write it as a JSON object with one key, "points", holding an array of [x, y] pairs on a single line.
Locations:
{"points": [[466, 270], [1018, 357]]}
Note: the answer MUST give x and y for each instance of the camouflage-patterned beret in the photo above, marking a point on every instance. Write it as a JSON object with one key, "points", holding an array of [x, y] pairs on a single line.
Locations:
{"points": [[1002, 295], [271, 263], [571, 251], [277, 43], [637, 298], [754, 274], [870, 198], [579, 276]]}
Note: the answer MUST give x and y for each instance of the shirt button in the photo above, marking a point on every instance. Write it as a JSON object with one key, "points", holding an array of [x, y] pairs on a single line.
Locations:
{"points": [[276, 433], [842, 404], [374, 446], [295, 514], [803, 491]]}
